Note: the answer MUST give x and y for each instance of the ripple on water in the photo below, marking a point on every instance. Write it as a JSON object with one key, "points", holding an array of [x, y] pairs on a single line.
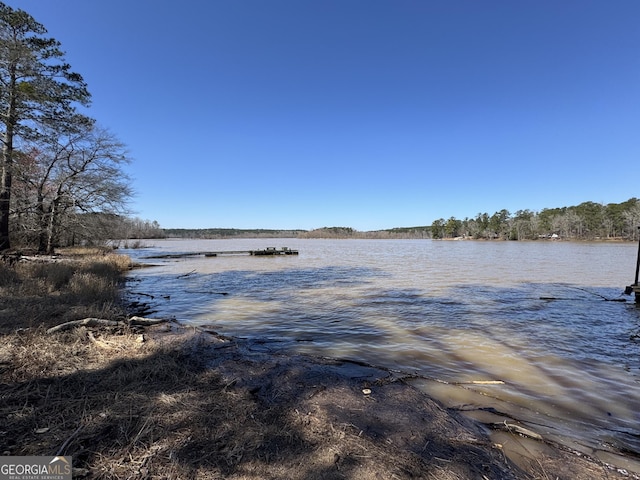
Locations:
{"points": [[534, 315]]}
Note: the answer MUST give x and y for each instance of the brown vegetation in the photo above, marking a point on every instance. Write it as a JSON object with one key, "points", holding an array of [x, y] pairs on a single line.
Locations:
{"points": [[49, 290], [177, 402]]}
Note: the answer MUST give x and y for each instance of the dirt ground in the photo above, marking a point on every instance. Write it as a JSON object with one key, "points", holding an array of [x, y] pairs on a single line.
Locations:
{"points": [[176, 402]]}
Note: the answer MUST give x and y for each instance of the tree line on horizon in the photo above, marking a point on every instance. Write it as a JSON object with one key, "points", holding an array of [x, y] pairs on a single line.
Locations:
{"points": [[586, 221], [220, 233]]}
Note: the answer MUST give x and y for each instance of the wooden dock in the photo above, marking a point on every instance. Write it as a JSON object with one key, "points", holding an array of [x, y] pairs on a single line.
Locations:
{"points": [[267, 252]]}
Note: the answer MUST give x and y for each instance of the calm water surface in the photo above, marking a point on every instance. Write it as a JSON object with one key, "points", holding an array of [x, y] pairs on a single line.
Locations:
{"points": [[532, 314]]}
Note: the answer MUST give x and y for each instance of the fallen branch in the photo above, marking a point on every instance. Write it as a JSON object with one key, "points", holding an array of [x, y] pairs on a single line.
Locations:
{"points": [[102, 322], [144, 322], [69, 440], [513, 428], [601, 296], [86, 322], [480, 382]]}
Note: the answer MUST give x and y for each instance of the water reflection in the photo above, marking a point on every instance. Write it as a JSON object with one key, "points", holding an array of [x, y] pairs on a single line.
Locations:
{"points": [[454, 312]]}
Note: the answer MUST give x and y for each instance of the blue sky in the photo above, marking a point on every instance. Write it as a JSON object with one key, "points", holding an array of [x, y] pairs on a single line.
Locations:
{"points": [[369, 114]]}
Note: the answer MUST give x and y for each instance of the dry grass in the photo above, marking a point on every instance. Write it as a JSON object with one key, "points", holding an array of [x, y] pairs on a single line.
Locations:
{"points": [[46, 291], [183, 404]]}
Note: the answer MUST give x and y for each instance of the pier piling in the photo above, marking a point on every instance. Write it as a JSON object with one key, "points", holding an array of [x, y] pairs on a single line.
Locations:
{"points": [[635, 288]]}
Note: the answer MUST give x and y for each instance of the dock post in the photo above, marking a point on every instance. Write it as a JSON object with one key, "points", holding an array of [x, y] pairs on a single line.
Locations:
{"points": [[635, 284]]}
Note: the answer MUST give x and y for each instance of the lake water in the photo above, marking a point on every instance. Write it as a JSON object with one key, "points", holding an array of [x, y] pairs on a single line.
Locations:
{"points": [[535, 315]]}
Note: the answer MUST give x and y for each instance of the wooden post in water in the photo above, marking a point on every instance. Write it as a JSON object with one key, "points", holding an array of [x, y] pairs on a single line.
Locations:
{"points": [[637, 263], [637, 270], [635, 288]]}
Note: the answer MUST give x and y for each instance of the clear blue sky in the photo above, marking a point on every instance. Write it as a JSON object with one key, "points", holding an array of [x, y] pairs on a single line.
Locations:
{"points": [[362, 113]]}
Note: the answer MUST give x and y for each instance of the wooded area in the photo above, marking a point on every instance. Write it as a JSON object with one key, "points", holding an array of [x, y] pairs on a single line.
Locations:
{"points": [[213, 233], [58, 167], [587, 221]]}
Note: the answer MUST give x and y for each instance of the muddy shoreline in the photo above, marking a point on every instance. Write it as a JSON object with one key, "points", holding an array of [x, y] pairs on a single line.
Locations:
{"points": [[172, 401]]}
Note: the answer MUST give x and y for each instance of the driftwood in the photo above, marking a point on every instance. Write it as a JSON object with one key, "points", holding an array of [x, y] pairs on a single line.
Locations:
{"points": [[513, 428], [145, 322], [101, 322], [86, 322]]}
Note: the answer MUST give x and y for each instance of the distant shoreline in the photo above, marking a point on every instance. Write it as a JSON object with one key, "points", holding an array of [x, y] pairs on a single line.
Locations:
{"points": [[375, 235]]}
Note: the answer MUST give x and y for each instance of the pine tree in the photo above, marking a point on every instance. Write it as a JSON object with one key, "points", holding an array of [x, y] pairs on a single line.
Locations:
{"points": [[38, 93]]}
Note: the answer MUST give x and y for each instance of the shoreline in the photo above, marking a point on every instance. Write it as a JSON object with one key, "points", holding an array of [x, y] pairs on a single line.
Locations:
{"points": [[176, 401], [522, 452], [192, 403]]}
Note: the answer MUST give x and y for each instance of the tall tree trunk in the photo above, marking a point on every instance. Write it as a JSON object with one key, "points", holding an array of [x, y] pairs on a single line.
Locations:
{"points": [[5, 189], [42, 226], [5, 199], [7, 163], [52, 227]]}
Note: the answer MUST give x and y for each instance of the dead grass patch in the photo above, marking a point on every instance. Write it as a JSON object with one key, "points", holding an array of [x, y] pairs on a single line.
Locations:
{"points": [[44, 291]]}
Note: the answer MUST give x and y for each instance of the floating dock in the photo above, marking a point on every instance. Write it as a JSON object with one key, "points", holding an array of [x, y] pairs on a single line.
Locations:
{"points": [[270, 251]]}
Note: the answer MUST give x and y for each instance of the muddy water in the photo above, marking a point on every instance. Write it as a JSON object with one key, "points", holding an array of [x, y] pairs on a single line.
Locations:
{"points": [[537, 316]]}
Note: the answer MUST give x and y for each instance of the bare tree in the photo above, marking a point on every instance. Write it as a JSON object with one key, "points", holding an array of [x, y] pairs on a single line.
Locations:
{"points": [[67, 177]]}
